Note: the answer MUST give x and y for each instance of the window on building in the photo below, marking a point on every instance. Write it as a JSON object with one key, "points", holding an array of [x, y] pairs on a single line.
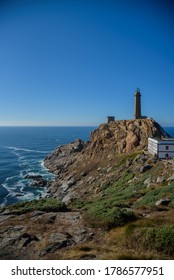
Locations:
{"points": [[167, 147]]}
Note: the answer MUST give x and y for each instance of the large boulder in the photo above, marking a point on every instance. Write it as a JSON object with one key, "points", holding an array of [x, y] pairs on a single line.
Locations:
{"points": [[38, 180], [132, 141]]}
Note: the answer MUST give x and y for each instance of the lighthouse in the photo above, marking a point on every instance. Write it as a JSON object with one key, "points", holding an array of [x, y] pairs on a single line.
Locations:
{"points": [[137, 104]]}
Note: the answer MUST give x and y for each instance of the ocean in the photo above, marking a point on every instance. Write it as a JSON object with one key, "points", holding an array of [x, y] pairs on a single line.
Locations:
{"points": [[22, 152]]}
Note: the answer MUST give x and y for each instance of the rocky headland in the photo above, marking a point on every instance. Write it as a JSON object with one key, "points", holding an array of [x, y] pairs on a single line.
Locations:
{"points": [[82, 168], [110, 199]]}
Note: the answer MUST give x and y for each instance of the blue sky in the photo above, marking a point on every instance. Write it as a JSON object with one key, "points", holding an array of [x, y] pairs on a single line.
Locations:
{"points": [[75, 62]]}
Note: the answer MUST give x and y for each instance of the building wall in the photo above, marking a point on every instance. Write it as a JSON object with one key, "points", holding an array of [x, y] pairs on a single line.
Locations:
{"points": [[162, 155], [166, 149], [152, 146], [161, 147]]}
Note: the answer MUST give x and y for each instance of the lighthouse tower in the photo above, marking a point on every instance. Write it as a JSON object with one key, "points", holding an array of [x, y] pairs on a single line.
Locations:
{"points": [[137, 104]]}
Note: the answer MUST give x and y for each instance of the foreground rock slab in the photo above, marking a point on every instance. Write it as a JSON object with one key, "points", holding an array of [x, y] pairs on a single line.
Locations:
{"points": [[31, 236]]}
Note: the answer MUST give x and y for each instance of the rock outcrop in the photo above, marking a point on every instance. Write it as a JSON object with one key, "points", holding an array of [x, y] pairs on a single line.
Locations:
{"points": [[123, 136], [38, 180], [115, 169], [39, 235], [81, 168]]}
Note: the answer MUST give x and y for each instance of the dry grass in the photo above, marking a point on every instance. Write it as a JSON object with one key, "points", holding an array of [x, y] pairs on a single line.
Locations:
{"points": [[117, 244]]}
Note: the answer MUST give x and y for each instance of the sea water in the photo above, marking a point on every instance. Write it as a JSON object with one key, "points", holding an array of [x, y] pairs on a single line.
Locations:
{"points": [[22, 152]]}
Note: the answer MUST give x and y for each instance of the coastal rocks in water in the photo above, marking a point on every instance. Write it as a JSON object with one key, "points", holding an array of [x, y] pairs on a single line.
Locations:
{"points": [[38, 180]]}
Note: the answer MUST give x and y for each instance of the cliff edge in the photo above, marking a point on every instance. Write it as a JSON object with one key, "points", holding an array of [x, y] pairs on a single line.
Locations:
{"points": [[110, 199], [124, 136], [80, 167]]}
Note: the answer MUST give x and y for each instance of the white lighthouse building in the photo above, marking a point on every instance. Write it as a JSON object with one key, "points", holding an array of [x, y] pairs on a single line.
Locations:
{"points": [[163, 148]]}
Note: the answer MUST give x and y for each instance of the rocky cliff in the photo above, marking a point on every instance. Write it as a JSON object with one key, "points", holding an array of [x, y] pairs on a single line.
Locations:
{"points": [[123, 136], [81, 167], [110, 199]]}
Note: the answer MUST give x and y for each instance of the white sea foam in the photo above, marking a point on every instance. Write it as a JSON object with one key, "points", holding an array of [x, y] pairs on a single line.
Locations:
{"points": [[11, 186], [19, 184], [22, 188], [42, 164], [33, 173], [8, 188], [22, 159], [4, 202], [18, 187], [16, 194], [12, 194], [43, 168], [11, 178], [27, 150], [28, 196]]}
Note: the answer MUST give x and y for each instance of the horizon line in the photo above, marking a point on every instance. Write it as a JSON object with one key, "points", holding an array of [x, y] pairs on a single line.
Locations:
{"points": [[32, 125], [74, 125]]}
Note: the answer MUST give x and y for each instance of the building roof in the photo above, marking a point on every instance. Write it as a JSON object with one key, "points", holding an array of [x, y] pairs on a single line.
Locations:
{"points": [[163, 140]]}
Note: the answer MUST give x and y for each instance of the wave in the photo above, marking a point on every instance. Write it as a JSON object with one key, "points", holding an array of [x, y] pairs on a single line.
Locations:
{"points": [[33, 173], [8, 188], [27, 150], [11, 178], [19, 193], [42, 164], [28, 196], [16, 186], [24, 172]]}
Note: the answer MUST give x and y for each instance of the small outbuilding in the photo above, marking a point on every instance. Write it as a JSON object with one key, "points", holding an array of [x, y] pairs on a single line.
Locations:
{"points": [[163, 148], [110, 119]]}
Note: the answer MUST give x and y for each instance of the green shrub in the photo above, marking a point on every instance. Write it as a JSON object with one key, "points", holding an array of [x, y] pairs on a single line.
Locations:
{"points": [[77, 204], [124, 157], [108, 217], [44, 204], [151, 237], [161, 239], [152, 196]]}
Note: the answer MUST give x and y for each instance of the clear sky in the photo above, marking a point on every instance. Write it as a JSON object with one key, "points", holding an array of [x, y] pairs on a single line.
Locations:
{"points": [[74, 62]]}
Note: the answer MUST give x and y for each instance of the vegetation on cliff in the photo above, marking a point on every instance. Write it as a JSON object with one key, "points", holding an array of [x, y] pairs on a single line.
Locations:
{"points": [[120, 201], [43, 204]]}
